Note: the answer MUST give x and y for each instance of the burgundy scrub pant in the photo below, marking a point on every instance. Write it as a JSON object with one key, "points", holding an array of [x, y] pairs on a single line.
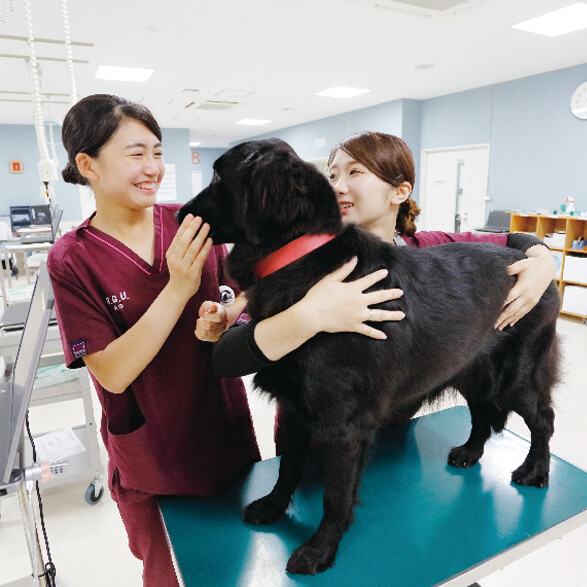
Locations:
{"points": [[146, 537]]}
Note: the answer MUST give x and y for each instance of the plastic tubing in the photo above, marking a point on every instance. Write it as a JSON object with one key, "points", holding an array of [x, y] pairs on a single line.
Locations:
{"points": [[68, 52], [37, 111]]}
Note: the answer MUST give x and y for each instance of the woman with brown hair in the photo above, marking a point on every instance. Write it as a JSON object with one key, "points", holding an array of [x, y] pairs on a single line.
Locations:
{"points": [[373, 175]]}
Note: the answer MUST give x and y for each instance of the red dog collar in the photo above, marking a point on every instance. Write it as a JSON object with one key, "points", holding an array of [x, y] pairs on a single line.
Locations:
{"points": [[289, 253]]}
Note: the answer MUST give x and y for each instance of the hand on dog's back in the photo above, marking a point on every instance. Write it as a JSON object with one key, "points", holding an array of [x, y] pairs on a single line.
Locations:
{"points": [[334, 305]]}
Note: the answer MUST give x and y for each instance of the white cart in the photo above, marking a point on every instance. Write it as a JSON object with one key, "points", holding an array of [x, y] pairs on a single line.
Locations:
{"points": [[86, 465]]}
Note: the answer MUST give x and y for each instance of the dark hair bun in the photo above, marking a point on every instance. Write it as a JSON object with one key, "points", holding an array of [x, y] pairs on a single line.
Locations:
{"points": [[71, 175]]}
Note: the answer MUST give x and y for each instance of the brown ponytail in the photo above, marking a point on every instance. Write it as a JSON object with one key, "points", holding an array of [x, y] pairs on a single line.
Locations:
{"points": [[408, 212]]}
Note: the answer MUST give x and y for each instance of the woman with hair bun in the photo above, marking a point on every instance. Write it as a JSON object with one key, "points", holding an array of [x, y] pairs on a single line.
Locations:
{"points": [[128, 284], [373, 175]]}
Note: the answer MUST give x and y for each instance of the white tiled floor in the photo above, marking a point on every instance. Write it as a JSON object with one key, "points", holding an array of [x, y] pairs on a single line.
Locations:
{"points": [[88, 543]]}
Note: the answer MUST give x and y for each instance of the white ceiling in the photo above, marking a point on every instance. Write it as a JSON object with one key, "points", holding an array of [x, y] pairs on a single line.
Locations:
{"points": [[272, 56]]}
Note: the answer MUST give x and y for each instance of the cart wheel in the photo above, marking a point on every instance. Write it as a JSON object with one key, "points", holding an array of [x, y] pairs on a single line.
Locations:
{"points": [[91, 497]]}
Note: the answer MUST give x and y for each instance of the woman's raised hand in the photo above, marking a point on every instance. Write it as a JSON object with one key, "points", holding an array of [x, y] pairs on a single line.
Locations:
{"points": [[186, 256]]}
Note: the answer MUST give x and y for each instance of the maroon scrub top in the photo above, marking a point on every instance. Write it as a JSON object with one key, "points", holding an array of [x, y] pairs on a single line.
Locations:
{"points": [[178, 429], [428, 239]]}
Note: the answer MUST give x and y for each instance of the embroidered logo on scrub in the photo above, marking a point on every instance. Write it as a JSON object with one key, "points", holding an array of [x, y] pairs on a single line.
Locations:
{"points": [[116, 300], [78, 348]]}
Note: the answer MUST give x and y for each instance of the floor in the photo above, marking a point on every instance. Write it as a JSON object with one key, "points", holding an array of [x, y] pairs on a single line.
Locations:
{"points": [[88, 543]]}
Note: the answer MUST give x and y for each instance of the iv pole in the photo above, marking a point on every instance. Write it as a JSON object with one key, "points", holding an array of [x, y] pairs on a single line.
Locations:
{"points": [[48, 173]]}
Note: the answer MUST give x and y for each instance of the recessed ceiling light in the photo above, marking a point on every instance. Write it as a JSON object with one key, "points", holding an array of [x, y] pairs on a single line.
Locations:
{"points": [[253, 121], [123, 74], [342, 92], [562, 21], [195, 143], [424, 66]]}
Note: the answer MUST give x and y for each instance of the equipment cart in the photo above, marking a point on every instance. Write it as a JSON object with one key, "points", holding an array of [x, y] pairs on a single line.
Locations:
{"points": [[76, 387]]}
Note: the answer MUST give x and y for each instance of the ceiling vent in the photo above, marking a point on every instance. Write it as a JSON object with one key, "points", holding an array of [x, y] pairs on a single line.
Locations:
{"points": [[422, 7], [215, 105], [233, 94], [186, 98]]}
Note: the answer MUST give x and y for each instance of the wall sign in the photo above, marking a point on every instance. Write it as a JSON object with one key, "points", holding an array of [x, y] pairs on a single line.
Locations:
{"points": [[168, 189], [16, 166]]}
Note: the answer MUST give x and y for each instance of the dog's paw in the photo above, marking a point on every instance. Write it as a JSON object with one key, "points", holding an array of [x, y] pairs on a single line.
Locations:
{"points": [[463, 456], [310, 559], [530, 475], [264, 511]]}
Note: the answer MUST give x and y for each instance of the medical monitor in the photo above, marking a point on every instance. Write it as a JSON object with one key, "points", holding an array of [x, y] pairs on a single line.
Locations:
{"points": [[20, 385], [41, 215], [20, 217]]}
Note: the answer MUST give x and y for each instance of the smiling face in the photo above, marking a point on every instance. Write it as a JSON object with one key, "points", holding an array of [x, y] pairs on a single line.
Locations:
{"points": [[129, 168], [364, 199]]}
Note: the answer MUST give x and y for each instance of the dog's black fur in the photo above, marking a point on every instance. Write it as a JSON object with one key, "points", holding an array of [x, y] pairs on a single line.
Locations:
{"points": [[339, 388]]}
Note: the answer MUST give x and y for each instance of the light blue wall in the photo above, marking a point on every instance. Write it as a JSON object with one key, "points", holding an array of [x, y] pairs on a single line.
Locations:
{"points": [[400, 117], [456, 120], [538, 148], [411, 133], [384, 117], [19, 142]]}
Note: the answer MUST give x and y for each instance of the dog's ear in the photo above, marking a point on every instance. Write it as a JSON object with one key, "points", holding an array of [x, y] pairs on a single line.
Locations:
{"points": [[284, 192]]}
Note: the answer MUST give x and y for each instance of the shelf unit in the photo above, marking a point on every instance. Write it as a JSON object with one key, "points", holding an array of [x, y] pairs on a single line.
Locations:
{"points": [[569, 229]]}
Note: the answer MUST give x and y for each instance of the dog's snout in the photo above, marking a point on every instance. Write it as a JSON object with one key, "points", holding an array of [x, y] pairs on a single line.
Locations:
{"points": [[188, 208]]}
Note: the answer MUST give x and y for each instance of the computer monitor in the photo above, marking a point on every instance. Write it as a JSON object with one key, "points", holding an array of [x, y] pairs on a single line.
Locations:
{"points": [[17, 390], [36, 224], [41, 215], [20, 217]]}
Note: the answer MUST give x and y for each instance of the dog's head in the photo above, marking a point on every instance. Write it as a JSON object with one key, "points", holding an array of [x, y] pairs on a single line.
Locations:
{"points": [[262, 192]]}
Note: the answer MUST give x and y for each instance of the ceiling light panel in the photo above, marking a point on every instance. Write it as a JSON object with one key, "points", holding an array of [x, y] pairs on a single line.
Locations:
{"points": [[253, 121], [123, 74], [560, 22], [342, 92]]}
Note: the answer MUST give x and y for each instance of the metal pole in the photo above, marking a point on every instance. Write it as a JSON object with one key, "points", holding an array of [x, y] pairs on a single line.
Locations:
{"points": [[30, 527]]}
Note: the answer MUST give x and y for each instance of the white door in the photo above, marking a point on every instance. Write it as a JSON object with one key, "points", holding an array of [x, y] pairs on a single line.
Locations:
{"points": [[453, 194]]}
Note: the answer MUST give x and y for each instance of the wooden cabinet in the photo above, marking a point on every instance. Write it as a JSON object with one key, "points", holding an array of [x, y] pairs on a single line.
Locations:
{"points": [[560, 232]]}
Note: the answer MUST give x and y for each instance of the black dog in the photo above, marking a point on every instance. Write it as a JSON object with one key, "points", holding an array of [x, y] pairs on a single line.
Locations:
{"points": [[339, 388]]}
